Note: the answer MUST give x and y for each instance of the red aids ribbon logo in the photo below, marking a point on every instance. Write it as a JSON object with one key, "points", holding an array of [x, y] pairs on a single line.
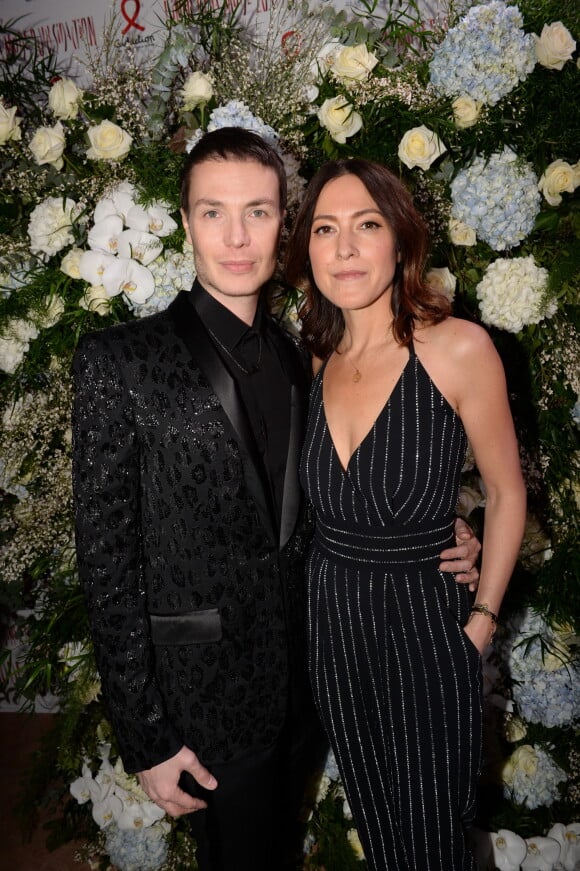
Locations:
{"points": [[131, 19]]}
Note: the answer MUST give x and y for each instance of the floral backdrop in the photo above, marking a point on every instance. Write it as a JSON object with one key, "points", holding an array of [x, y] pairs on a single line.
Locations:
{"points": [[479, 114]]}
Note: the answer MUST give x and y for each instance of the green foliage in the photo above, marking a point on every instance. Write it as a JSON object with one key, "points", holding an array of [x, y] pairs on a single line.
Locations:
{"points": [[329, 827]]}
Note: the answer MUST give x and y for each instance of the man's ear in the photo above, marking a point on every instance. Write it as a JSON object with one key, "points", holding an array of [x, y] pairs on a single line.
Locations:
{"points": [[185, 223]]}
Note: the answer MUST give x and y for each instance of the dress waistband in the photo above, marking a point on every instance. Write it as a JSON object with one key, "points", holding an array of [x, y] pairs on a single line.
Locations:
{"points": [[384, 546]]}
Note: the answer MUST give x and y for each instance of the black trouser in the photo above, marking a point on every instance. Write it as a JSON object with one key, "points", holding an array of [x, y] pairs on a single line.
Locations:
{"points": [[253, 820]]}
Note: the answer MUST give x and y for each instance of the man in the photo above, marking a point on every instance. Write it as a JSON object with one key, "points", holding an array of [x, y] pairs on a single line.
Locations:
{"points": [[191, 529]]}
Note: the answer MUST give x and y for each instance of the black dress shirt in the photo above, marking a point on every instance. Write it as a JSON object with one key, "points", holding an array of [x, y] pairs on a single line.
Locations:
{"points": [[252, 359]]}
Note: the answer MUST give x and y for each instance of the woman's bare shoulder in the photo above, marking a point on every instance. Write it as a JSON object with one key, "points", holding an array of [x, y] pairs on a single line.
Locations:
{"points": [[458, 337]]}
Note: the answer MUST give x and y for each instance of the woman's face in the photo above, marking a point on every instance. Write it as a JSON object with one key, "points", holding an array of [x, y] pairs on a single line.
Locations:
{"points": [[352, 250]]}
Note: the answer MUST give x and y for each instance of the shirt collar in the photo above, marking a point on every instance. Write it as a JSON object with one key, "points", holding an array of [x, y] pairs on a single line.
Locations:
{"points": [[223, 323]]}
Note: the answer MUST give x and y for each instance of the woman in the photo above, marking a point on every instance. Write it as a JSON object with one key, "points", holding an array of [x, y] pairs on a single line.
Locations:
{"points": [[399, 388]]}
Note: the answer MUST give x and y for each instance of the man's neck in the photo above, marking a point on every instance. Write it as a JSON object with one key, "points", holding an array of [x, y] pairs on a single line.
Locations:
{"points": [[243, 307]]}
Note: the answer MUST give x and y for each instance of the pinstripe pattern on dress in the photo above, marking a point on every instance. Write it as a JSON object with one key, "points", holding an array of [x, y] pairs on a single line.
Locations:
{"points": [[396, 680]]}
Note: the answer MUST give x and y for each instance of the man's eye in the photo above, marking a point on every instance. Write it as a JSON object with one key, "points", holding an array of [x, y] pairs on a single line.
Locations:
{"points": [[259, 213], [211, 213]]}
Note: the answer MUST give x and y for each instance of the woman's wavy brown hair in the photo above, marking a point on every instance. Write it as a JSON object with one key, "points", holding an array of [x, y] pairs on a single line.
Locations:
{"points": [[412, 301]]}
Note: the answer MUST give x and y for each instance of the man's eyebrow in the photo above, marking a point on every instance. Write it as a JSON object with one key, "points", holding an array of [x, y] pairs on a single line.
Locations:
{"points": [[262, 201]]}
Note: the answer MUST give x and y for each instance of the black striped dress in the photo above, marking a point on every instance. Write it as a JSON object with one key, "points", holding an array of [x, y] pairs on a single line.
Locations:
{"points": [[396, 680]]}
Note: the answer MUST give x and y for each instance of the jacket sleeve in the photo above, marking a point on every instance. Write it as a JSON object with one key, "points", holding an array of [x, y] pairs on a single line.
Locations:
{"points": [[106, 487]]}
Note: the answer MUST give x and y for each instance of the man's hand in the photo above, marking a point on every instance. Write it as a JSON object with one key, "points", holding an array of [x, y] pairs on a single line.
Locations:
{"points": [[461, 559], [160, 783]]}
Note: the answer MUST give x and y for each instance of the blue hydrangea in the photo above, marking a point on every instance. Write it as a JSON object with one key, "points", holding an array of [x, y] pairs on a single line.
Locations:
{"points": [[546, 686], [136, 849], [539, 787], [236, 114], [485, 55], [497, 197], [173, 271]]}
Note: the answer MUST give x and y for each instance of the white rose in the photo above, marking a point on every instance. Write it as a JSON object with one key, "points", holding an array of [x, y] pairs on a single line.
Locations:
{"points": [[108, 142], [420, 147], [47, 145], [354, 841], [559, 176], [354, 62], [96, 300], [466, 111], [197, 89], [9, 124], [64, 98], [461, 234], [515, 729], [442, 281], [554, 46], [339, 118], [525, 759], [51, 314], [70, 263]]}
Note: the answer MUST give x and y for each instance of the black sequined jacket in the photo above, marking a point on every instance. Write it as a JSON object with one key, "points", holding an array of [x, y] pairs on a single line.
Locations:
{"points": [[195, 597]]}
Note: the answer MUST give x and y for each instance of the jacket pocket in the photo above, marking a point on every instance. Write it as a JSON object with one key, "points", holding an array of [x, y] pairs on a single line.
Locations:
{"points": [[193, 627]]}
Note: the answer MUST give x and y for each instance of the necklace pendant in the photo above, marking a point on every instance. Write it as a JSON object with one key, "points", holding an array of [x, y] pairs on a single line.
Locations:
{"points": [[356, 377]]}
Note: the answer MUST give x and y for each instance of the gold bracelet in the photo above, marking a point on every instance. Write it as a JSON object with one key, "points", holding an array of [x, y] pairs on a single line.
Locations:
{"points": [[483, 609]]}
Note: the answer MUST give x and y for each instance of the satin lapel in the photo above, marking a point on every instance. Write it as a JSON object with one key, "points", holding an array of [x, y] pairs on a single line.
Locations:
{"points": [[190, 329], [292, 494]]}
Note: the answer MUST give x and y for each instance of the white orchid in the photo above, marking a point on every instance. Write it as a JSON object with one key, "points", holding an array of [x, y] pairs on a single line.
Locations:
{"points": [[151, 219], [144, 247], [136, 814], [116, 797], [509, 850], [92, 265], [123, 275], [117, 202], [568, 837], [542, 855], [106, 809], [104, 235]]}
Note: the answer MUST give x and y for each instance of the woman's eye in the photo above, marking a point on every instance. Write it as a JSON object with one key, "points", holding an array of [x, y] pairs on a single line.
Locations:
{"points": [[370, 225], [322, 230]]}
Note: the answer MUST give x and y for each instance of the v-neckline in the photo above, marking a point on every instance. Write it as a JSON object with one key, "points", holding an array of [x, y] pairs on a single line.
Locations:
{"points": [[345, 469]]}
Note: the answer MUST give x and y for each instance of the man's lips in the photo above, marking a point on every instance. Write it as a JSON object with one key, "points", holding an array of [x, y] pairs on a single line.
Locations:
{"points": [[238, 266]]}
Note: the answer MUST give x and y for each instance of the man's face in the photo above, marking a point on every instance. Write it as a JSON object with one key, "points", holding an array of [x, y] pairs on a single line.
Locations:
{"points": [[233, 223]]}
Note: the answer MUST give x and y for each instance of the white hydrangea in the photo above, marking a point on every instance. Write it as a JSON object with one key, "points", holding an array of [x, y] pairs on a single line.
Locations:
{"points": [[50, 226], [512, 294], [15, 342]]}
